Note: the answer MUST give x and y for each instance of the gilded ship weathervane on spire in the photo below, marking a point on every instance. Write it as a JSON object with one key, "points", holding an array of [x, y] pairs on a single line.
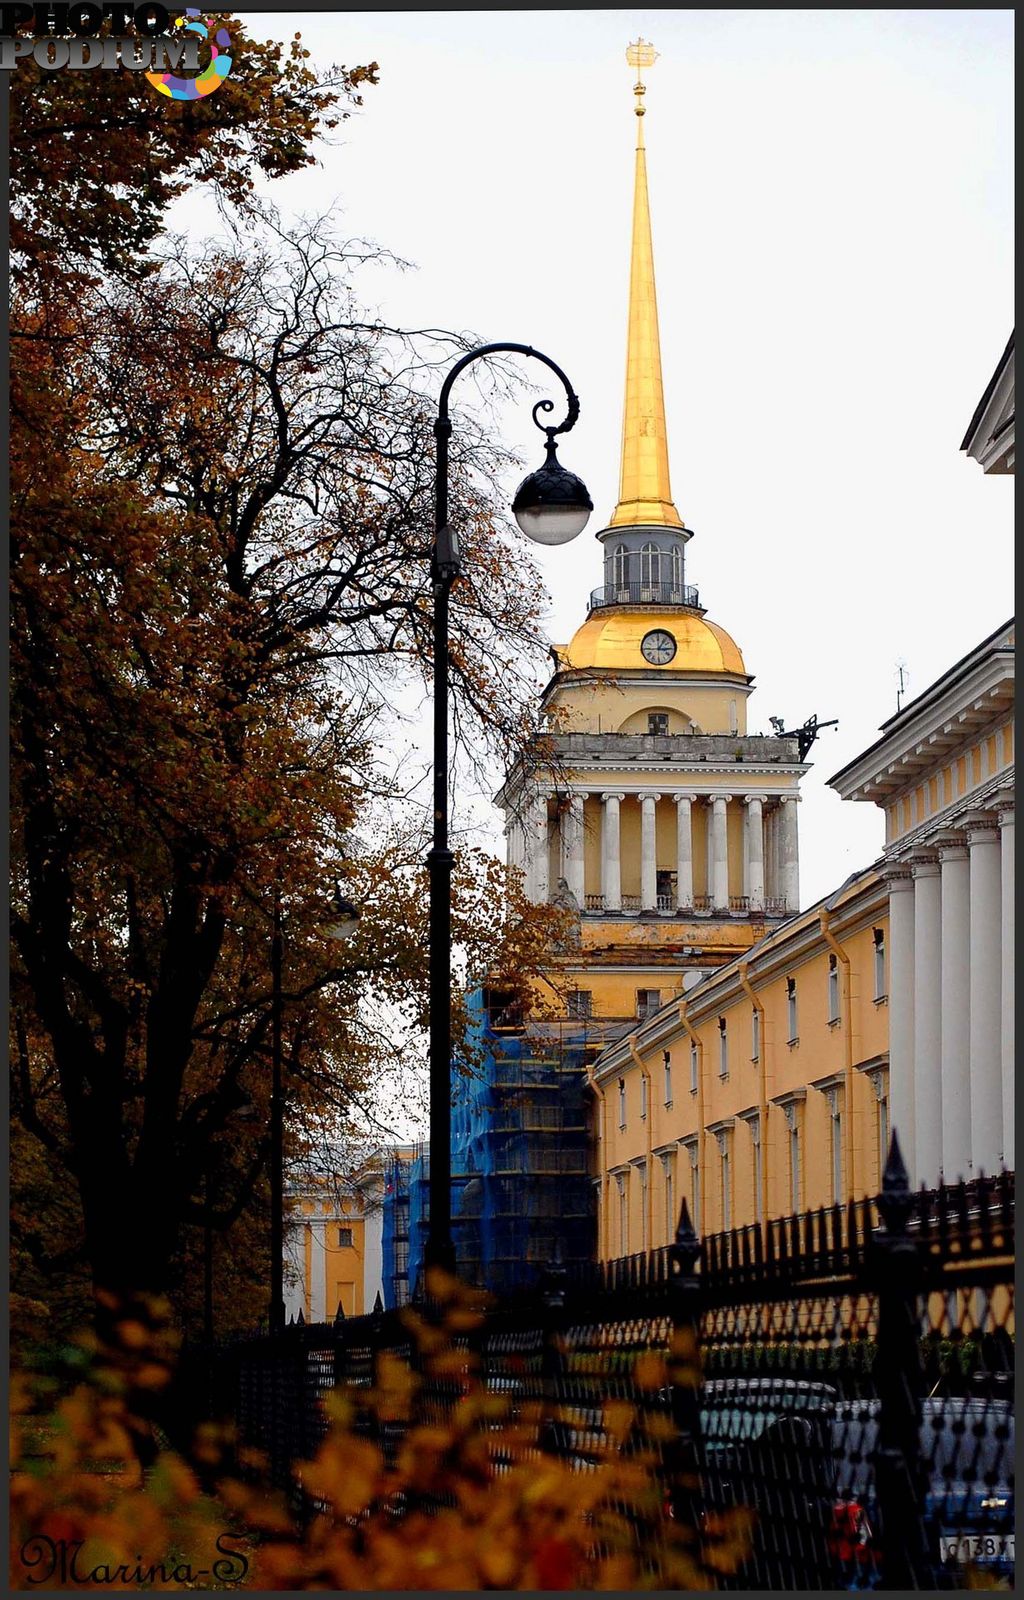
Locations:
{"points": [[645, 494]]}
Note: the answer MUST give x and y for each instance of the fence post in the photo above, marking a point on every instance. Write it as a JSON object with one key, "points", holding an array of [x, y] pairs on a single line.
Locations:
{"points": [[684, 1456], [552, 1364], [900, 1475]]}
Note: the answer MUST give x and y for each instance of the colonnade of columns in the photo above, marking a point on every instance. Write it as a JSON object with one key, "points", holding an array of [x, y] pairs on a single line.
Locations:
{"points": [[770, 850], [951, 999]]}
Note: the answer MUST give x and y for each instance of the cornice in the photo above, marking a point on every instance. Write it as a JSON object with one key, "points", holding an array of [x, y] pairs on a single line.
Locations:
{"points": [[618, 775]]}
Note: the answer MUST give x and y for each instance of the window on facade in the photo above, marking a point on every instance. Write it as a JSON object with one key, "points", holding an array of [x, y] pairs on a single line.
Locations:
{"points": [[794, 1165], [695, 1189], [726, 1187], [647, 1001], [758, 1196], [836, 1120], [401, 1258], [622, 1102], [677, 568], [694, 1081], [650, 566], [667, 1063], [580, 1002], [791, 1009], [883, 1132], [668, 1170], [621, 567], [878, 934], [623, 1218], [344, 1238], [755, 1034], [644, 1241], [657, 722], [643, 1097], [723, 1049], [833, 989]]}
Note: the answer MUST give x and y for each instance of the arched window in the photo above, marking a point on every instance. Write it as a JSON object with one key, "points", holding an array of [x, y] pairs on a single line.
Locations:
{"points": [[621, 566], [677, 568], [650, 566]]}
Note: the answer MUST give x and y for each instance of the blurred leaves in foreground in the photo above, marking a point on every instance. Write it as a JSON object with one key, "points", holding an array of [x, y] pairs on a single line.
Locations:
{"points": [[427, 1481]]}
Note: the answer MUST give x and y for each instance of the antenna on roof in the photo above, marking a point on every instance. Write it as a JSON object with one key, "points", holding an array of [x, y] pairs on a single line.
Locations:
{"points": [[902, 678]]}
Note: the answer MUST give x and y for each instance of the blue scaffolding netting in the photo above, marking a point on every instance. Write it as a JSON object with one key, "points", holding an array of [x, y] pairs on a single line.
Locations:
{"points": [[521, 1192]]}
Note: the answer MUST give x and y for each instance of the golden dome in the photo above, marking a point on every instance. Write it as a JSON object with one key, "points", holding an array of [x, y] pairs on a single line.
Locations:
{"points": [[612, 639]]}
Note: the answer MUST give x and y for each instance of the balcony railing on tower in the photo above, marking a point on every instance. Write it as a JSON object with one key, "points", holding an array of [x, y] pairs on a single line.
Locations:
{"points": [[661, 593]]}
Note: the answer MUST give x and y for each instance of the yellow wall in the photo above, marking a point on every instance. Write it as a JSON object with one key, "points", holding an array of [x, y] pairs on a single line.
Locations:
{"points": [[343, 1267], [853, 1049], [617, 705]]}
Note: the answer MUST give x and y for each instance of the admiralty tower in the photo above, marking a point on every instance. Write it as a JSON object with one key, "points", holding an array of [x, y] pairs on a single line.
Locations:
{"points": [[646, 806]]}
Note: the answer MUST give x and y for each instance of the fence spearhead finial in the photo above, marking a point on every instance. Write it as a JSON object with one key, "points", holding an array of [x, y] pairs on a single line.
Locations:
{"points": [[896, 1199], [378, 1305], [895, 1179], [300, 1321], [339, 1315], [686, 1246], [685, 1232]]}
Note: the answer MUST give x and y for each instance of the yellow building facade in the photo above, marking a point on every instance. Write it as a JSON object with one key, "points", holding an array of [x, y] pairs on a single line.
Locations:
{"points": [[333, 1244], [764, 1091], [773, 1085]]}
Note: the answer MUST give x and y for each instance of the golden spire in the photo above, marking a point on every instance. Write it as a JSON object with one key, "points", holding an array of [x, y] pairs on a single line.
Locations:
{"points": [[645, 495]]}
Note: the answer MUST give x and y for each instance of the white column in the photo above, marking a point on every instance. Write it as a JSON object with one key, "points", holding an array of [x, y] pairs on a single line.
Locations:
{"points": [[720, 853], [771, 874], [1006, 869], [648, 852], [789, 851], [956, 1007], [901, 1011], [611, 861], [927, 1021], [684, 849], [709, 849], [572, 846], [538, 843], [753, 852], [986, 983], [318, 1311]]}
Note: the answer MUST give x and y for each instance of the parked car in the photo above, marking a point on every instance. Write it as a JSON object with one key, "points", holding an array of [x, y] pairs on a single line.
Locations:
{"points": [[967, 1445], [768, 1446]]}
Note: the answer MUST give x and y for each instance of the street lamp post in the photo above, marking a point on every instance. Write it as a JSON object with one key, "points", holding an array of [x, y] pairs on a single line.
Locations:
{"points": [[551, 507]]}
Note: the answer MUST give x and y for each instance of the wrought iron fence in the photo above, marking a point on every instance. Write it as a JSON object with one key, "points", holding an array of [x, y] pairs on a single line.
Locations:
{"points": [[845, 1376]]}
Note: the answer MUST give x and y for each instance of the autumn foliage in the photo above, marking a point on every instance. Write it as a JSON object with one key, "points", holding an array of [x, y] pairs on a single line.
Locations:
{"points": [[222, 471], [405, 1495]]}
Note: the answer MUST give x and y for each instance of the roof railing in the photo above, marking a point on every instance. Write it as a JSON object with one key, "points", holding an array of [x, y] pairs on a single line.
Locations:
{"points": [[644, 594]]}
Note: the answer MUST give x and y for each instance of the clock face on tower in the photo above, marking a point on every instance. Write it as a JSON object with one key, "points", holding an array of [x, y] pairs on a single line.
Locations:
{"points": [[658, 647]]}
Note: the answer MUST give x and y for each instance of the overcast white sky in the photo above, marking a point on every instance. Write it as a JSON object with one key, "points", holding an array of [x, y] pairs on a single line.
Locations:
{"points": [[831, 198]]}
